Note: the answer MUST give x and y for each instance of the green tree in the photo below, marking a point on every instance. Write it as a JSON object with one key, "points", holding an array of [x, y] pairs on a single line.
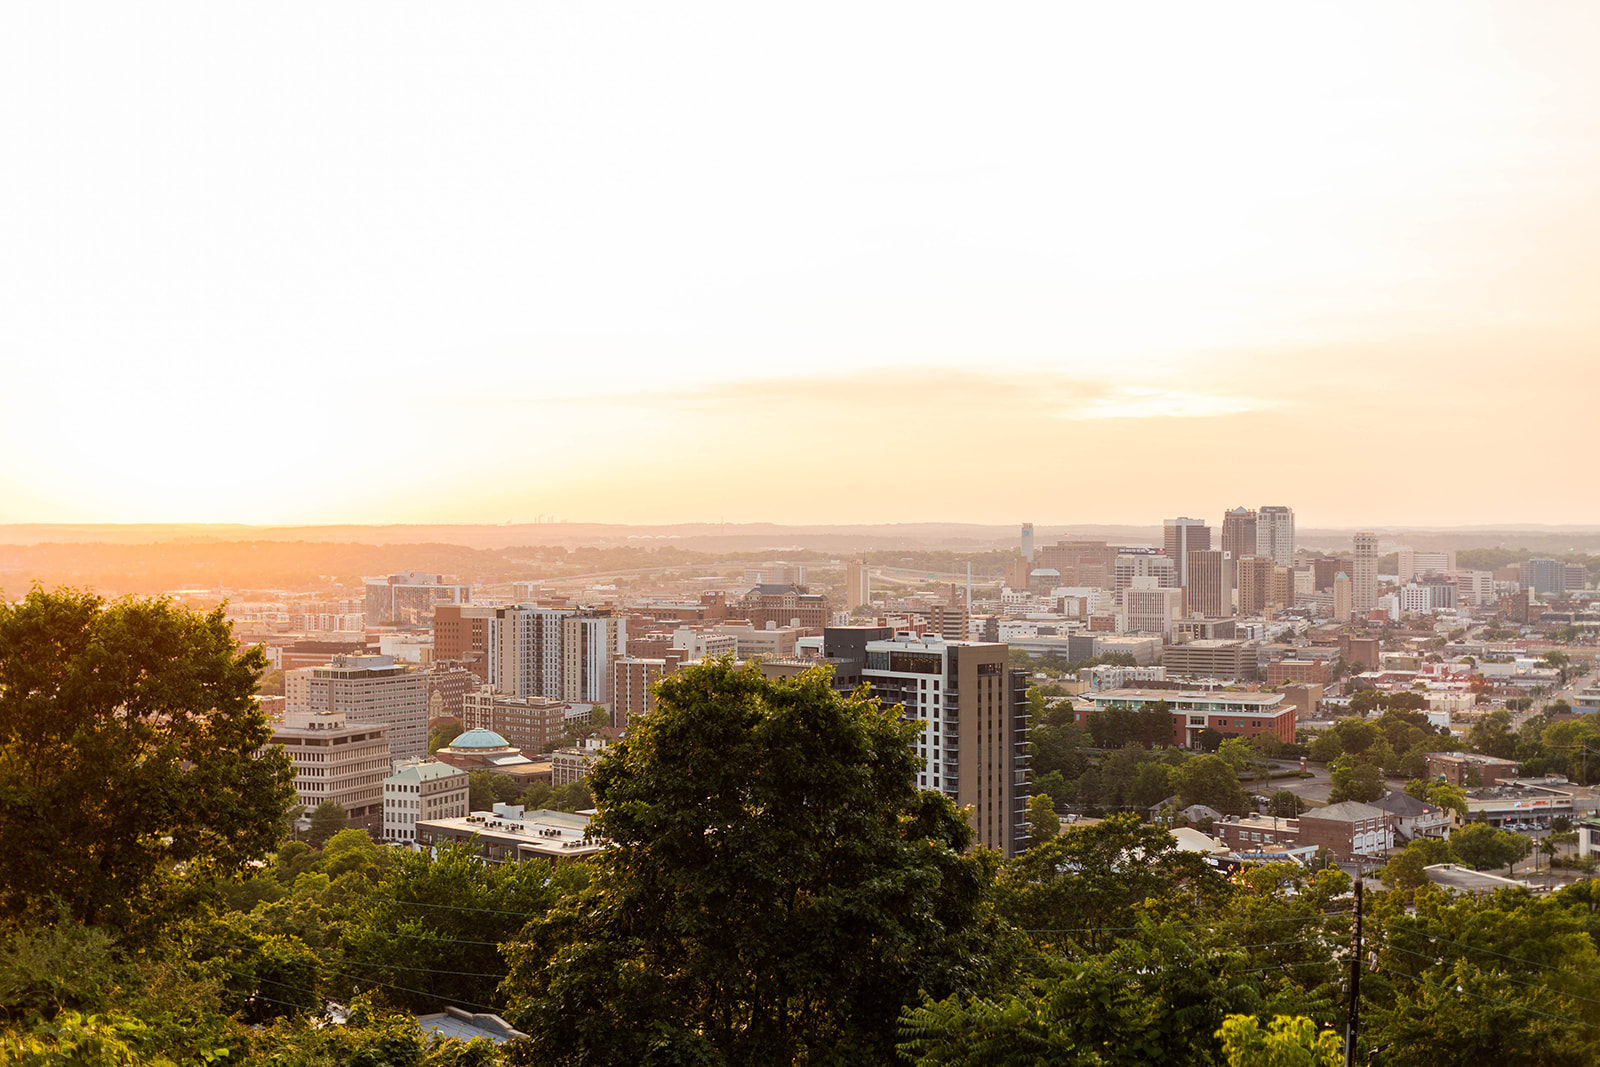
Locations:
{"points": [[1082, 885], [1406, 870], [1210, 781], [1285, 805], [432, 928], [480, 792], [441, 734], [130, 742], [1448, 797], [1156, 1000], [1482, 847], [1043, 823], [327, 820], [1491, 735], [1285, 1042], [774, 890], [1355, 781]]}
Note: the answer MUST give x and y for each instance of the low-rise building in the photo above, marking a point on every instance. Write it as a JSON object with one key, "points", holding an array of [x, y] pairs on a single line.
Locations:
{"points": [[1467, 769], [1254, 834], [529, 723], [1229, 713], [421, 789], [1210, 659], [568, 765], [1415, 819], [508, 834], [1518, 805], [482, 749], [1349, 829]]}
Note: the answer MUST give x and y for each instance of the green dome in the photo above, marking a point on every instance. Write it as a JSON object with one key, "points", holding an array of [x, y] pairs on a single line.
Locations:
{"points": [[479, 739]]}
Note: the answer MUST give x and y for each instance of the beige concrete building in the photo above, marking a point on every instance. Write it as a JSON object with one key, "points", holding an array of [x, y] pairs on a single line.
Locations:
{"points": [[508, 834], [589, 644], [857, 584], [335, 759], [1364, 581], [1210, 659], [1209, 583], [367, 689]]}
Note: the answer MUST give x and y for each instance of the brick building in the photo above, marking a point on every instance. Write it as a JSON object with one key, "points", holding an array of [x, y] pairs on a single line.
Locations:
{"points": [[1309, 671]]}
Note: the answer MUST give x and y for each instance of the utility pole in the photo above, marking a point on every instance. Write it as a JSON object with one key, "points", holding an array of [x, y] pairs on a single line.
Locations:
{"points": [[1353, 1025]]}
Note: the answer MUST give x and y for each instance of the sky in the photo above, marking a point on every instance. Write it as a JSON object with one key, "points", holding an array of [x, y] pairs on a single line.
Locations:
{"points": [[830, 263]]}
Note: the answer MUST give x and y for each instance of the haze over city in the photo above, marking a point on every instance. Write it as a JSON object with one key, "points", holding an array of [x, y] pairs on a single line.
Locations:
{"points": [[384, 264]]}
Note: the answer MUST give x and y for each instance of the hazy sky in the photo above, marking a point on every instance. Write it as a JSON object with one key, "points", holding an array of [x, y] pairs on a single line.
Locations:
{"points": [[658, 262]]}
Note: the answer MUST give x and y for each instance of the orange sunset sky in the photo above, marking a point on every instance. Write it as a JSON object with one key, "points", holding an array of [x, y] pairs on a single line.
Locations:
{"points": [[392, 262]]}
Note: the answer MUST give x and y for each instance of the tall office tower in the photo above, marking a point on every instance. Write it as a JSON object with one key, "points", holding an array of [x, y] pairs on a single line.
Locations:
{"points": [[335, 759], [1239, 533], [461, 634], [1326, 567], [857, 584], [1135, 563], [1151, 611], [1283, 581], [367, 690], [588, 645], [1275, 534], [408, 598], [1181, 537], [971, 709], [1341, 597], [1414, 564], [1546, 577], [1257, 576], [1210, 585], [525, 650], [1027, 541], [633, 680], [1364, 582]]}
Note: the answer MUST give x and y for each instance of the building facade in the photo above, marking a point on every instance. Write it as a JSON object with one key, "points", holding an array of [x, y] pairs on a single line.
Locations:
{"points": [[1180, 537], [1210, 583], [335, 759], [529, 724], [1364, 580], [1228, 713], [421, 789], [409, 598], [367, 689], [971, 709], [1275, 534]]}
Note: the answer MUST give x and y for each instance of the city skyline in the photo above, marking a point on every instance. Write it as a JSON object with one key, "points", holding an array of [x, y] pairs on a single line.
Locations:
{"points": [[660, 266]]}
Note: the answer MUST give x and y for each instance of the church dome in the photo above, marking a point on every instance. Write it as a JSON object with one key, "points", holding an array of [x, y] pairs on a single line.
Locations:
{"points": [[478, 739]]}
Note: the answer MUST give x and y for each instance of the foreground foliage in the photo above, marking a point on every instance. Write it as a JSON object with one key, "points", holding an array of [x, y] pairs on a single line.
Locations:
{"points": [[129, 742], [775, 890]]}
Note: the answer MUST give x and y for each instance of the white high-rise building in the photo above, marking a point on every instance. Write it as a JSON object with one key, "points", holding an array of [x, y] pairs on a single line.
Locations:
{"points": [[589, 645], [972, 739], [1275, 534]]}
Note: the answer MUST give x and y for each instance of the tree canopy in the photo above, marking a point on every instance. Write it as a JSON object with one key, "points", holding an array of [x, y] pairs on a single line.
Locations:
{"points": [[130, 741], [774, 890]]}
